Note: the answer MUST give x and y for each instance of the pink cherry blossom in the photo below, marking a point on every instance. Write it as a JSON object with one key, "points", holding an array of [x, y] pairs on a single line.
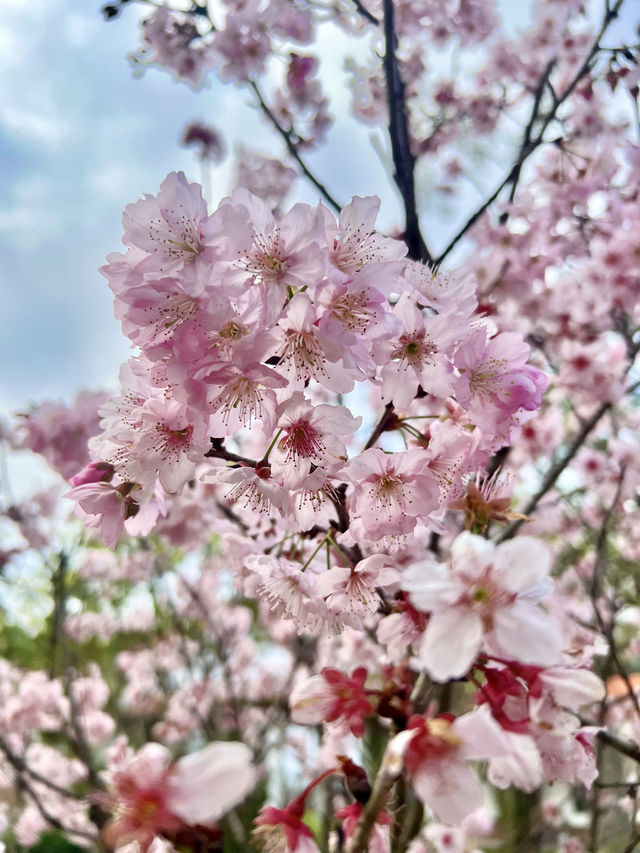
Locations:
{"points": [[312, 435], [351, 592], [150, 795], [354, 242], [436, 754], [489, 596], [332, 696], [391, 491], [495, 382]]}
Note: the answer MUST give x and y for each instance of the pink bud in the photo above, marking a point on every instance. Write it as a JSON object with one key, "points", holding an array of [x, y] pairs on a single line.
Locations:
{"points": [[94, 472]]}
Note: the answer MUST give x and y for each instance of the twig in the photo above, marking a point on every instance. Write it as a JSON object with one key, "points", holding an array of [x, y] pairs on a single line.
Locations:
{"points": [[554, 472], [632, 845], [528, 145], [421, 693], [596, 583], [51, 819], [526, 139], [21, 766], [219, 451], [79, 742], [381, 426], [292, 149], [624, 747], [365, 13]]}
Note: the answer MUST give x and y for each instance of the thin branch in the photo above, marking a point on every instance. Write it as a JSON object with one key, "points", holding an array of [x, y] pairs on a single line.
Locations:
{"points": [[21, 766], [79, 742], [471, 221], [51, 819], [535, 111], [529, 145], [421, 693], [554, 472], [381, 426], [596, 588], [293, 150], [632, 845], [403, 159], [365, 13], [624, 747], [219, 451]]}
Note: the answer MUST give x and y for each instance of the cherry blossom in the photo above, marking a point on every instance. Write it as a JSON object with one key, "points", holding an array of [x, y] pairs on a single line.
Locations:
{"points": [[490, 594], [151, 796]]}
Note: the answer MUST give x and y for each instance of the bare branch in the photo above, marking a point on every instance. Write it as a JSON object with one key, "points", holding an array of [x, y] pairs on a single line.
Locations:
{"points": [[293, 150], [554, 472], [381, 426], [403, 159], [365, 13], [51, 819]]}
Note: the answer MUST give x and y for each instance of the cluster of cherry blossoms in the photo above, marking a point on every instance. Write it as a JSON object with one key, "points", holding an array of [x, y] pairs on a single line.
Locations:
{"points": [[246, 325], [254, 332]]}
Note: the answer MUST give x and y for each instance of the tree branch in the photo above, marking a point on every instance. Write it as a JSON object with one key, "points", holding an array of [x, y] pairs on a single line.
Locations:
{"points": [[365, 13], [381, 426], [403, 159], [20, 765], [51, 819], [529, 145], [389, 771], [554, 472], [293, 150]]}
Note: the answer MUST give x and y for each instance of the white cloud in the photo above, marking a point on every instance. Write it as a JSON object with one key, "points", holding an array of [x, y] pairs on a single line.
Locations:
{"points": [[46, 130]]}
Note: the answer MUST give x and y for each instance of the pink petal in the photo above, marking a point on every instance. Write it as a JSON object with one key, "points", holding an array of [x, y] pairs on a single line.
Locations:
{"points": [[450, 643], [206, 784]]}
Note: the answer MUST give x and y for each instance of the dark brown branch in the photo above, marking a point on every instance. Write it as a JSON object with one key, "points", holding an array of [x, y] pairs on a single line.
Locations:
{"points": [[51, 819], [219, 451], [471, 221], [365, 13], [387, 775], [293, 150], [535, 111], [381, 426], [624, 747], [404, 160], [232, 517]]}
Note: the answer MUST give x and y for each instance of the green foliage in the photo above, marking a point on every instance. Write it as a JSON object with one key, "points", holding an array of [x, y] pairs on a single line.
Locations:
{"points": [[22, 649], [374, 744], [53, 842]]}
